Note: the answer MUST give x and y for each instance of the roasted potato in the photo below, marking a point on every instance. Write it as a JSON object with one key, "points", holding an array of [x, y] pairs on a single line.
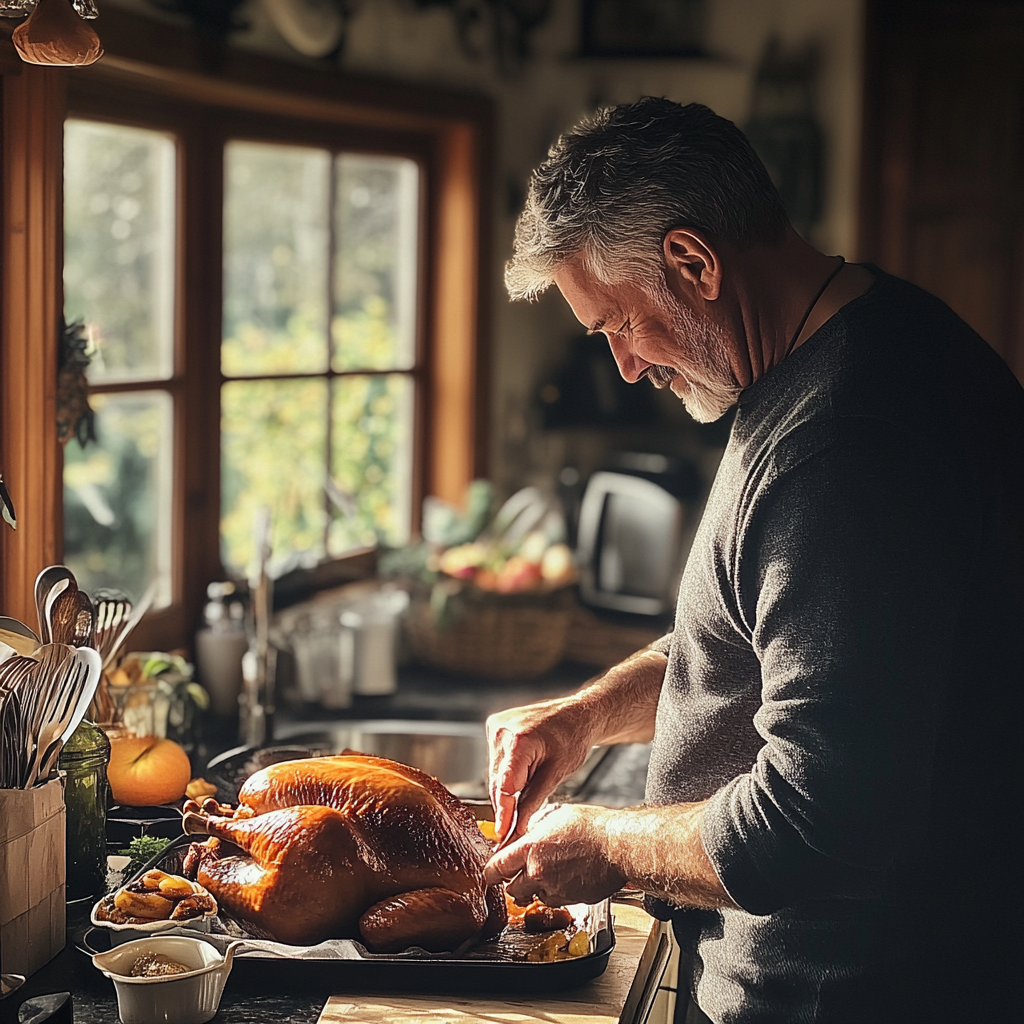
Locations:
{"points": [[150, 906]]}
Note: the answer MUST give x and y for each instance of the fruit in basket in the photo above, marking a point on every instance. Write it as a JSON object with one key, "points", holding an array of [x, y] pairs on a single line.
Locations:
{"points": [[516, 575], [462, 562], [146, 770], [349, 846], [557, 565], [536, 563]]}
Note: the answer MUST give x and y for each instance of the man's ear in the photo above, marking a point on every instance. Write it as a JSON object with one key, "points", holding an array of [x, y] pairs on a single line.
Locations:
{"points": [[692, 264]]}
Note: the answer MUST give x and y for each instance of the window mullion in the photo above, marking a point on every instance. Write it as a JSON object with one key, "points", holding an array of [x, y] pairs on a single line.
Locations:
{"points": [[332, 190]]}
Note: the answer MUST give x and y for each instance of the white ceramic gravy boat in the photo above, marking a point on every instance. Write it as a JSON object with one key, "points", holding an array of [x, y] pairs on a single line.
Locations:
{"points": [[191, 998]]}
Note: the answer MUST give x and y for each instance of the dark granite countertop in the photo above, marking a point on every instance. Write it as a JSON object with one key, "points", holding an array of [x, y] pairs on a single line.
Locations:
{"points": [[96, 1003], [617, 782]]}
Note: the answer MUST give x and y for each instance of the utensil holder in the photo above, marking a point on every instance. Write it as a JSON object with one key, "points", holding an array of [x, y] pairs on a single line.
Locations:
{"points": [[32, 876]]}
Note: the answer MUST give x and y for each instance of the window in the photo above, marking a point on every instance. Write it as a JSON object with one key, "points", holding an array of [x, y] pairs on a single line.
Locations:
{"points": [[318, 356], [319, 349], [119, 278], [397, 411]]}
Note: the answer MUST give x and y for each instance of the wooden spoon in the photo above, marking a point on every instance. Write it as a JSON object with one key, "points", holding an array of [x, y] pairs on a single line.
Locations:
{"points": [[45, 583], [54, 34], [71, 619]]}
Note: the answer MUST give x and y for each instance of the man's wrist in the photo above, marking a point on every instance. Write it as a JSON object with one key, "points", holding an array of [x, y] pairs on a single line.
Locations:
{"points": [[659, 849]]}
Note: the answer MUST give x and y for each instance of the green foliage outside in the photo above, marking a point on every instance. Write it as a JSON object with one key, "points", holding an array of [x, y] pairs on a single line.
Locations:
{"points": [[117, 500], [273, 453], [278, 437], [285, 442], [119, 246]]}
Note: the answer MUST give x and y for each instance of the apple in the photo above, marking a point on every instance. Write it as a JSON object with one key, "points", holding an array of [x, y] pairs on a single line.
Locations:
{"points": [[557, 566], [147, 770], [516, 575], [462, 562]]}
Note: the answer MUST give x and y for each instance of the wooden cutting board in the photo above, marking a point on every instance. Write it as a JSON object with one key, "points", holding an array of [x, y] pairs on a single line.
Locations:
{"points": [[611, 998]]}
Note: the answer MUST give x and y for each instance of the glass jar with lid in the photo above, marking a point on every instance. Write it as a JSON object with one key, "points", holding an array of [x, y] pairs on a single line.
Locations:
{"points": [[84, 761]]}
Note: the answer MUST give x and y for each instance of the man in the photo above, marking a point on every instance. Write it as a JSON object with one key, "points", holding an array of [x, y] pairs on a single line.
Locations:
{"points": [[835, 716]]}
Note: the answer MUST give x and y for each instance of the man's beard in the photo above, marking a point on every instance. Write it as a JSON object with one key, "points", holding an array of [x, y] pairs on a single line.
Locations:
{"points": [[708, 388]]}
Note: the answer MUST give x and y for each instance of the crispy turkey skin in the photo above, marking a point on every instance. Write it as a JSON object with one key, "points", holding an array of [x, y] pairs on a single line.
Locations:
{"points": [[352, 847]]}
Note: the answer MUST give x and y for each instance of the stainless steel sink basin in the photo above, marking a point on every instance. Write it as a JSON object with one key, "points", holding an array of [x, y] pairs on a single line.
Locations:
{"points": [[453, 752]]}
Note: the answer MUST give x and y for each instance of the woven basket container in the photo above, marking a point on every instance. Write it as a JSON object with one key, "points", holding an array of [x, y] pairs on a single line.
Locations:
{"points": [[500, 636]]}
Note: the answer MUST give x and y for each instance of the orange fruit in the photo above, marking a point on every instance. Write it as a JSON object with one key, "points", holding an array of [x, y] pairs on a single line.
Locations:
{"points": [[146, 770]]}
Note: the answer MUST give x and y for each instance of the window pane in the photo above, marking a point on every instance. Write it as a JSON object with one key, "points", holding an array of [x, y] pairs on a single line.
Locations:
{"points": [[273, 452], [372, 460], [119, 247], [276, 209], [117, 496], [375, 222]]}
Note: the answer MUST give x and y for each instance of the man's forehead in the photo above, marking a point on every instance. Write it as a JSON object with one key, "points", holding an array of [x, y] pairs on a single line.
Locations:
{"points": [[593, 301]]}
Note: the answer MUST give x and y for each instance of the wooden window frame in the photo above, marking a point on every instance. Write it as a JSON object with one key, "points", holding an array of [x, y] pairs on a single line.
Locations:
{"points": [[157, 76]]}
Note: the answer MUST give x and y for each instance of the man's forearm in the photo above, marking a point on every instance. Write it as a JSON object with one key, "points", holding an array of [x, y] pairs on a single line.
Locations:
{"points": [[623, 702], [659, 849]]}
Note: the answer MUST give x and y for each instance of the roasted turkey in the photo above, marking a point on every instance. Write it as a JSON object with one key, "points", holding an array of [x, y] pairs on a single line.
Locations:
{"points": [[349, 846]]}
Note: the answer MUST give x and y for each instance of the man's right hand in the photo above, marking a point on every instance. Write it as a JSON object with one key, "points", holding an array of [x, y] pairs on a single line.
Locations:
{"points": [[533, 749]]}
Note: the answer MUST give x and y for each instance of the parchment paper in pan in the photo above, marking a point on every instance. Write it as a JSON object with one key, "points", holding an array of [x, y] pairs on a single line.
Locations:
{"points": [[511, 945]]}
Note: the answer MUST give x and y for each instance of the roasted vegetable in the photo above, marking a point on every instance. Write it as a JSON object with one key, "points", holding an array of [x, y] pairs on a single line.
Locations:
{"points": [[151, 906], [540, 918]]}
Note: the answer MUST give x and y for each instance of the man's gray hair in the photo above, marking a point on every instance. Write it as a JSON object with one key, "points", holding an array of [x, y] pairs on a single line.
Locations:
{"points": [[613, 187]]}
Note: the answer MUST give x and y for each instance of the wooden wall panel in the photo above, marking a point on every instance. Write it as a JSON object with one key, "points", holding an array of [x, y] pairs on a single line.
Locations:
{"points": [[31, 294], [943, 176]]}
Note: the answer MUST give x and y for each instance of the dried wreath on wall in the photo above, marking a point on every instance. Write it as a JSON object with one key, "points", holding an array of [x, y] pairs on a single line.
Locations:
{"points": [[74, 416]]}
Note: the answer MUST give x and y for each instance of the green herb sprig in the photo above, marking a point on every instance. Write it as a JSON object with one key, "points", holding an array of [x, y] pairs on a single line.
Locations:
{"points": [[142, 849]]}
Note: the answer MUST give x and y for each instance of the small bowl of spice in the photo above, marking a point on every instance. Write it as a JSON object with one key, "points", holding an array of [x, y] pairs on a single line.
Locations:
{"points": [[167, 978]]}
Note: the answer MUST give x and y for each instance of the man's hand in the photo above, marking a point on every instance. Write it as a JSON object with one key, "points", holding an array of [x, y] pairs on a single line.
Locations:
{"points": [[563, 859], [536, 747], [577, 853], [533, 749]]}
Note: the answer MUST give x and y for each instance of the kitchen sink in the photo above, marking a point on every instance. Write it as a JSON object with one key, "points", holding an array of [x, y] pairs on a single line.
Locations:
{"points": [[455, 753]]}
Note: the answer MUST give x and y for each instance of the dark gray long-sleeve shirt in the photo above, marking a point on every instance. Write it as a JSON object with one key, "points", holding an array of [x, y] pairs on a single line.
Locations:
{"points": [[845, 675]]}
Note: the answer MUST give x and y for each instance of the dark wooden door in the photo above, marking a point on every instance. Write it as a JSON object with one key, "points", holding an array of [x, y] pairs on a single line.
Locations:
{"points": [[943, 178]]}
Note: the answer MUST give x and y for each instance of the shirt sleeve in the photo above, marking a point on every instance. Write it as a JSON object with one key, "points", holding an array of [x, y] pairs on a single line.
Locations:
{"points": [[663, 645], [848, 574]]}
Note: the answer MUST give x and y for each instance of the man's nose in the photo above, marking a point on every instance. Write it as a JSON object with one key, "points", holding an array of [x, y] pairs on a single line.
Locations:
{"points": [[631, 366]]}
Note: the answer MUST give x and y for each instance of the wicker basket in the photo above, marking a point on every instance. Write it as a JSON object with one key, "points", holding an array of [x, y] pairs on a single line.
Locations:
{"points": [[501, 636]]}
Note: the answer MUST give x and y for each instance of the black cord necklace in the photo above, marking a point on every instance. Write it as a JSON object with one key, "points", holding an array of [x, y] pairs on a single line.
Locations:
{"points": [[810, 309]]}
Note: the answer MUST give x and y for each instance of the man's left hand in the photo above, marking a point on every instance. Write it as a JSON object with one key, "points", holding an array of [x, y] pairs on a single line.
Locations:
{"points": [[562, 859]]}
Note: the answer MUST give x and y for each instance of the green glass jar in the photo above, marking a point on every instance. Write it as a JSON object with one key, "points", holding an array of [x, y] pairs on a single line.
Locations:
{"points": [[84, 759]]}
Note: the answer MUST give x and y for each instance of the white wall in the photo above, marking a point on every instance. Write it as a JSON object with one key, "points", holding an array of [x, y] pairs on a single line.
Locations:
{"points": [[551, 93]]}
